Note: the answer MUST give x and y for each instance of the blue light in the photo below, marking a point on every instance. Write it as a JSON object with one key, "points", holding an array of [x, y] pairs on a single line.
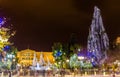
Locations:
{"points": [[59, 53], [93, 64], [6, 48], [1, 21]]}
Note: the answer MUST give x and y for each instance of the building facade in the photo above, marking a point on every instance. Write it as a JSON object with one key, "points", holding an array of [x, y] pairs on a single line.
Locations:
{"points": [[117, 43], [25, 57]]}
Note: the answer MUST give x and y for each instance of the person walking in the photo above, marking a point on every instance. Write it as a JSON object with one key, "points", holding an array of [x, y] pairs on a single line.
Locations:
{"points": [[9, 73], [113, 74], [43, 73]]}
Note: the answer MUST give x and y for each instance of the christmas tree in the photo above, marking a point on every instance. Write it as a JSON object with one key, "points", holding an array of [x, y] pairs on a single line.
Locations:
{"points": [[98, 42], [5, 44], [59, 55]]}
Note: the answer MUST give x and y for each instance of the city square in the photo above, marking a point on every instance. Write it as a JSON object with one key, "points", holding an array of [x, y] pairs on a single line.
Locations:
{"points": [[66, 38]]}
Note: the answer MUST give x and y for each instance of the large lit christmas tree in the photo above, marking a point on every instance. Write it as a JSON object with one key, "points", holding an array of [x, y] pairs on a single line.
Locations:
{"points": [[98, 42]]}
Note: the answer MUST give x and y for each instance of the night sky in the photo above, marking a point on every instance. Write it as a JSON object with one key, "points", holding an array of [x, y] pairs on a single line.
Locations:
{"points": [[39, 23]]}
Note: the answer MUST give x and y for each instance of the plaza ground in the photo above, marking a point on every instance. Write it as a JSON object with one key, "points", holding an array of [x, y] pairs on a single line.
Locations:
{"points": [[72, 76], [57, 75]]}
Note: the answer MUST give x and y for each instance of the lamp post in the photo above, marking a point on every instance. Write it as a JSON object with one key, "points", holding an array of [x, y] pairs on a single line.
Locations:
{"points": [[81, 58], [67, 61]]}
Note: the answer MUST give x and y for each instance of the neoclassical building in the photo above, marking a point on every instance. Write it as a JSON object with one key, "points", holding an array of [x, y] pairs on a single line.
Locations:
{"points": [[117, 40], [25, 57]]}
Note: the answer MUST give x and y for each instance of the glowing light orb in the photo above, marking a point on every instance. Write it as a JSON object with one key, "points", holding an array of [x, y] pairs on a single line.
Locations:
{"points": [[1, 21], [6, 48]]}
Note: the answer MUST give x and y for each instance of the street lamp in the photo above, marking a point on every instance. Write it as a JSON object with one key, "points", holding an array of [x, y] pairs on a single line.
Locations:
{"points": [[67, 60], [67, 63], [81, 58]]}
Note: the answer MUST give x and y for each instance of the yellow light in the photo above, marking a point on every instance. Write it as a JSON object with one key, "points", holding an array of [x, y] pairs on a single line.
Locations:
{"points": [[81, 57], [67, 60]]}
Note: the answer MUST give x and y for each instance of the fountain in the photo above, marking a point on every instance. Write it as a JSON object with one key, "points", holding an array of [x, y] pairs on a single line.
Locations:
{"points": [[41, 64]]}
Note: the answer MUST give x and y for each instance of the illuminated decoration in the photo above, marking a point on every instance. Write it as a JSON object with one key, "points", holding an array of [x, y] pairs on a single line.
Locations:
{"points": [[41, 60], [10, 55], [81, 57], [2, 21], [57, 50], [9, 63], [40, 65], [59, 55], [98, 42], [87, 64], [74, 63], [6, 48], [5, 35]]}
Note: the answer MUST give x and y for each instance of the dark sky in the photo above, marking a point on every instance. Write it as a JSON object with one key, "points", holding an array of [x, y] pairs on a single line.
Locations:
{"points": [[39, 23]]}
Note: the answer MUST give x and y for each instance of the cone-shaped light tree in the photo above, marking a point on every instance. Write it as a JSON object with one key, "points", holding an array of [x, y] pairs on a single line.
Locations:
{"points": [[98, 42]]}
